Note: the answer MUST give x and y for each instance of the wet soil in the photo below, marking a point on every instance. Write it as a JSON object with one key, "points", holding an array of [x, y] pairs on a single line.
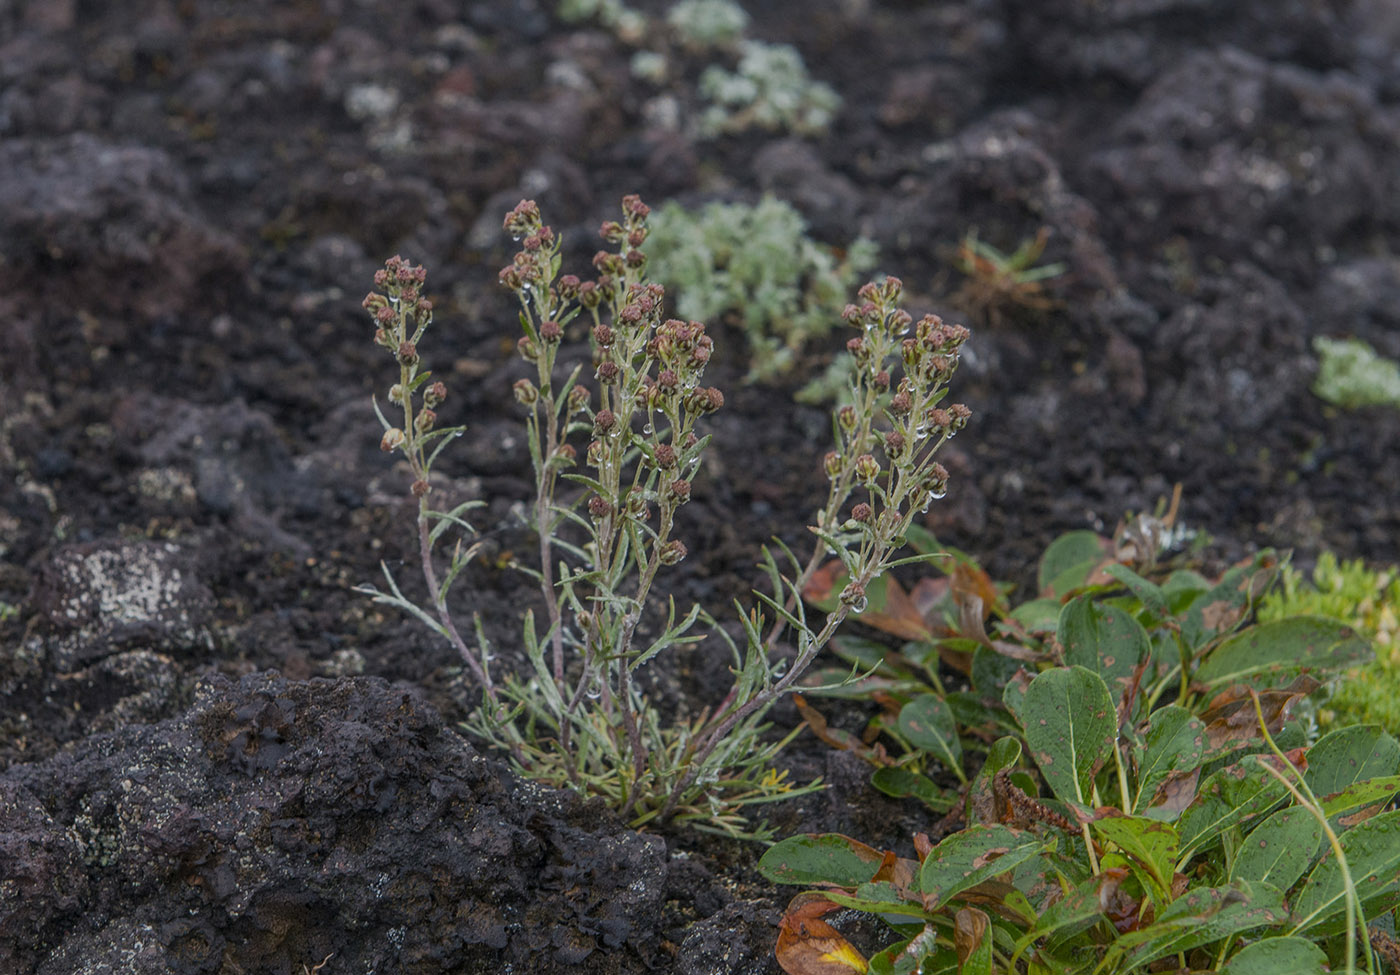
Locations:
{"points": [[216, 757]]}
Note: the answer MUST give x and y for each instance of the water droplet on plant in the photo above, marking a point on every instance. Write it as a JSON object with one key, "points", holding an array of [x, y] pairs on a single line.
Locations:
{"points": [[595, 690], [938, 495], [515, 237], [859, 605], [648, 430]]}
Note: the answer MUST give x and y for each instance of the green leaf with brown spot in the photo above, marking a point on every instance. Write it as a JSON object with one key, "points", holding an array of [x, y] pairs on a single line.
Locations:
{"points": [[970, 856], [1151, 844], [1232, 796], [1174, 744], [927, 723], [1372, 851], [1104, 639], [820, 858], [1201, 917], [1273, 653], [1071, 727], [1349, 755], [1274, 956], [1280, 849], [1069, 561]]}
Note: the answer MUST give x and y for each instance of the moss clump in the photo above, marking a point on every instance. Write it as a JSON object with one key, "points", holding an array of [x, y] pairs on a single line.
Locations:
{"points": [[757, 263], [1350, 374], [1367, 600]]}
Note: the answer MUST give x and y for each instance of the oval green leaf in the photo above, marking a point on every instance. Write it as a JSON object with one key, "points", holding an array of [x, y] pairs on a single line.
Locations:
{"points": [[1071, 726], [970, 856], [927, 723], [1272, 956], [1280, 849], [820, 858], [1273, 652]]}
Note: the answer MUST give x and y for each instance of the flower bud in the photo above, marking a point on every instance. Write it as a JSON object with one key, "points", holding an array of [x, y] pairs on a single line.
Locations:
{"points": [[407, 353], [435, 394], [881, 381], [564, 455], [603, 336], [384, 315], [667, 380], [424, 421], [705, 400], [396, 394], [679, 490], [420, 489], [894, 444], [665, 456], [603, 421], [527, 348], [578, 399], [525, 392], [551, 332], [522, 220], [672, 552], [862, 513], [867, 468], [960, 415], [589, 294], [854, 596], [595, 453], [608, 372], [900, 404], [847, 418], [831, 463], [568, 287], [637, 507], [599, 507], [393, 439]]}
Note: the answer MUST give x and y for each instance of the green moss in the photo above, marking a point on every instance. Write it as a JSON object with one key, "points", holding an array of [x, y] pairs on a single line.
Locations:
{"points": [[1350, 374], [1367, 600], [756, 263]]}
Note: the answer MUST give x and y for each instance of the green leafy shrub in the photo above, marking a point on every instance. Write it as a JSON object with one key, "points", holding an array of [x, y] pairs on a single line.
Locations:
{"points": [[604, 518], [704, 24], [756, 262], [1142, 792], [769, 89], [1350, 374], [1367, 600]]}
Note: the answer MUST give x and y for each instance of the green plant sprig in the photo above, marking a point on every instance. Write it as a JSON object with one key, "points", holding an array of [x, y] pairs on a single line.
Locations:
{"points": [[402, 314]]}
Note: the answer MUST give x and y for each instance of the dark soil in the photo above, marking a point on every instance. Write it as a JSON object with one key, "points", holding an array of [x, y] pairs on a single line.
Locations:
{"points": [[217, 757]]}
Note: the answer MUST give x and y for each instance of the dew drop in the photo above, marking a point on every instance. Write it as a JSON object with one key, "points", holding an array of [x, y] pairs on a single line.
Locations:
{"points": [[515, 237], [859, 605], [648, 430]]}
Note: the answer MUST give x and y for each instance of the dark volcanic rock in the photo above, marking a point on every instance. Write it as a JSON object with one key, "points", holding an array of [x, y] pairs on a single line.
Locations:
{"points": [[278, 822]]}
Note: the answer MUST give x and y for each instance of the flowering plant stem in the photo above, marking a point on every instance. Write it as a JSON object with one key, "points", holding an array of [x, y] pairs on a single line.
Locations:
{"points": [[583, 718]]}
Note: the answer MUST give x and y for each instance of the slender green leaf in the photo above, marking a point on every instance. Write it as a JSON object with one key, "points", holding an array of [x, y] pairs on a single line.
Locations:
{"points": [[1071, 727], [1381, 791], [1148, 593]]}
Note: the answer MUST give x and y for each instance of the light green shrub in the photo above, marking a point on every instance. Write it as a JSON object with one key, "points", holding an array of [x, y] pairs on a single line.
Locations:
{"points": [[705, 24], [1350, 374], [758, 263], [769, 89]]}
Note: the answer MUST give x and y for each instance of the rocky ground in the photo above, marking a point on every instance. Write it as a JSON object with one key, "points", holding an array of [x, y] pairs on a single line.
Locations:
{"points": [[216, 757]]}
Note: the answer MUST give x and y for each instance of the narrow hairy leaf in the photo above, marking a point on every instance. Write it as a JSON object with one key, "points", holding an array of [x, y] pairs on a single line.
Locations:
{"points": [[1070, 725]]}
